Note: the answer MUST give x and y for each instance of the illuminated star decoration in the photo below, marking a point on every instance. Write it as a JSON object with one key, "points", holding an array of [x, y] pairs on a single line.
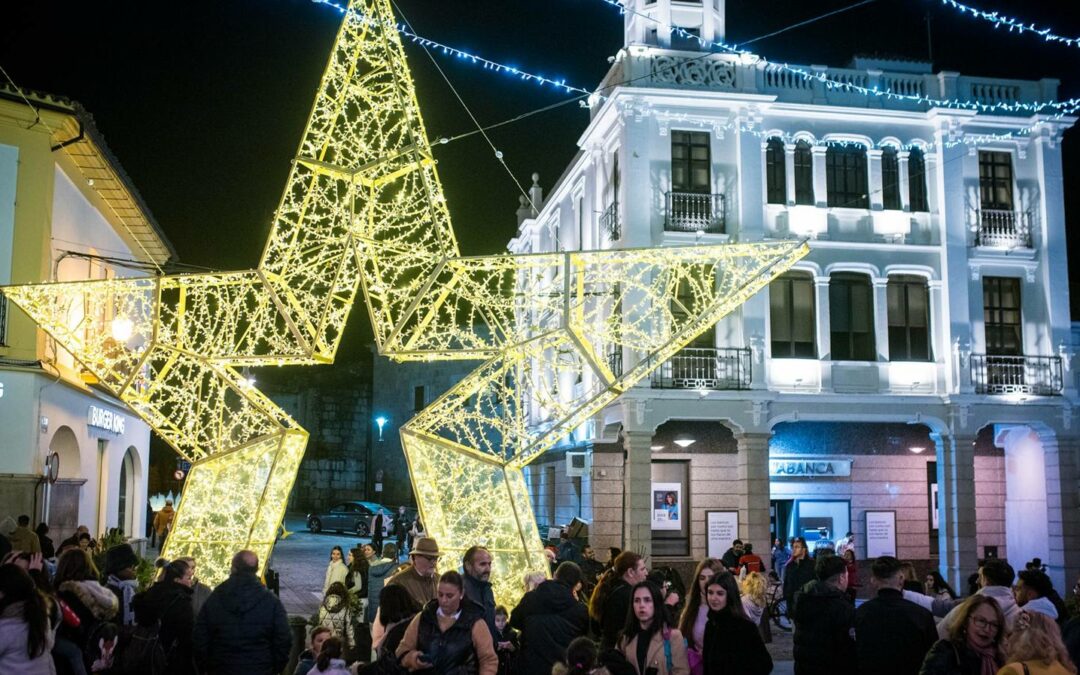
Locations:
{"points": [[364, 208]]}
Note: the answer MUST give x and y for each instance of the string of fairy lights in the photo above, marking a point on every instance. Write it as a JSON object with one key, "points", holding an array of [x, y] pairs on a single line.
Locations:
{"points": [[1060, 109], [1012, 24]]}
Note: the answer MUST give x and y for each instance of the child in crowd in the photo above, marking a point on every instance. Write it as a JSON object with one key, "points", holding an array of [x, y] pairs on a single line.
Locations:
{"points": [[506, 640]]}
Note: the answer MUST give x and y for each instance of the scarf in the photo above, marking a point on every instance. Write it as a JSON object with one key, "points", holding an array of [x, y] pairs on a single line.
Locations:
{"points": [[988, 657]]}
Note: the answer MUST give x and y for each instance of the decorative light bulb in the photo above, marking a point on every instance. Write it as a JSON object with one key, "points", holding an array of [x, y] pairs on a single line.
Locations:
{"points": [[122, 328]]}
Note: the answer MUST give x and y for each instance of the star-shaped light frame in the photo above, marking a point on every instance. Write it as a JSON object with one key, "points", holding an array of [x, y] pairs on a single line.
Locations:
{"points": [[364, 210]]}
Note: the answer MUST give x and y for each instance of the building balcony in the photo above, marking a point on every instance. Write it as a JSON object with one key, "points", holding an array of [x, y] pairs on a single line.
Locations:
{"points": [[705, 368], [695, 212], [1003, 375], [614, 362], [997, 228], [610, 223]]}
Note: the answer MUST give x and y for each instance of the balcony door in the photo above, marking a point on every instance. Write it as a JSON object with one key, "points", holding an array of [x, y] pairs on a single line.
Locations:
{"points": [[996, 181], [691, 162], [1001, 314]]}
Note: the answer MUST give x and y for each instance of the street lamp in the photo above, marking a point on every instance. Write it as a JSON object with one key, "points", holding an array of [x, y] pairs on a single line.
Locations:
{"points": [[381, 422]]}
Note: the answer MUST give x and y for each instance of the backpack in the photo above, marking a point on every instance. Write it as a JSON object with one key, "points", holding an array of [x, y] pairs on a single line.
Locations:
{"points": [[140, 653]]}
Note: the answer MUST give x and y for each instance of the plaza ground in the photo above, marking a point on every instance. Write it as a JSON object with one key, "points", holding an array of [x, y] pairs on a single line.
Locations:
{"points": [[301, 558]]}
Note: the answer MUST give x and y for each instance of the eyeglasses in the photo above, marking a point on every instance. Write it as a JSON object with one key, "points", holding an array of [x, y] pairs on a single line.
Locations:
{"points": [[984, 624]]}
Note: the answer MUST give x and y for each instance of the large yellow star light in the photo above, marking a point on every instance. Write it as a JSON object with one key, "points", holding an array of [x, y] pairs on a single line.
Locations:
{"points": [[364, 208]]}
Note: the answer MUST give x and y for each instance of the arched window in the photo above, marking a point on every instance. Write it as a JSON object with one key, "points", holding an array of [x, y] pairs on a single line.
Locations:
{"points": [[851, 313], [909, 318], [775, 175], [804, 173], [890, 179], [125, 507], [791, 317], [846, 176], [916, 168]]}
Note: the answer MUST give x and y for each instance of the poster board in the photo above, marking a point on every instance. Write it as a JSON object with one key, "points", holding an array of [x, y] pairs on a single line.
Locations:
{"points": [[721, 528], [880, 533], [667, 506]]}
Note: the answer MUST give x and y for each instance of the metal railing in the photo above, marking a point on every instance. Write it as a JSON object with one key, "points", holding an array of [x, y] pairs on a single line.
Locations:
{"points": [[1034, 375], [609, 222], [614, 362], [695, 212], [1009, 229], [705, 368]]}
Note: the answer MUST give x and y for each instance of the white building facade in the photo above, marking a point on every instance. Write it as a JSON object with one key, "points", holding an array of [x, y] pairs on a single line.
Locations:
{"points": [[69, 453], [913, 372]]}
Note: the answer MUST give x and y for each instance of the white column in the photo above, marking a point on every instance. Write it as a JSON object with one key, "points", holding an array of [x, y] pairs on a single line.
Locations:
{"points": [[940, 350], [637, 492], [873, 181], [821, 302], [753, 488], [958, 555], [789, 174], [881, 317], [1063, 506], [821, 196]]}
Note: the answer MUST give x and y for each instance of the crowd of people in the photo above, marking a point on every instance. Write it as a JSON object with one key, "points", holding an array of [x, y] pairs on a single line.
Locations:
{"points": [[381, 617]]}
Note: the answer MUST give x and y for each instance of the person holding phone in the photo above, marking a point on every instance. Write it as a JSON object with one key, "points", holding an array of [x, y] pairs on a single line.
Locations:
{"points": [[449, 635], [647, 641]]}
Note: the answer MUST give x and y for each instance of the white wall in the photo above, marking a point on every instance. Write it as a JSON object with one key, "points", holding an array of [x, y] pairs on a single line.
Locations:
{"points": [[9, 169]]}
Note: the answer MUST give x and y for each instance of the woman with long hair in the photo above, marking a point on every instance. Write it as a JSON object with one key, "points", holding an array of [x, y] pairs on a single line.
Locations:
{"points": [[396, 610], [168, 607], [696, 612], [25, 634], [449, 635], [646, 640], [974, 644], [86, 604], [336, 571], [330, 661], [732, 641], [937, 588], [1035, 648]]}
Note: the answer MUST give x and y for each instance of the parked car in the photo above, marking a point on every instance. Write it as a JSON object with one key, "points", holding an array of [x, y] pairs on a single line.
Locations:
{"points": [[352, 517]]}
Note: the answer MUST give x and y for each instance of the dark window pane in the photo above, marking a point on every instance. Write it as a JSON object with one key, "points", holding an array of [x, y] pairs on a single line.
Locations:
{"points": [[890, 179], [775, 175], [690, 162], [791, 317], [1002, 316], [804, 173], [845, 173], [909, 319], [917, 181], [851, 313], [996, 180]]}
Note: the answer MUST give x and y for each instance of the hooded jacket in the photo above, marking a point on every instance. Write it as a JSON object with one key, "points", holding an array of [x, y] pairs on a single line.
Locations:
{"points": [[823, 626], [549, 618], [92, 603], [171, 604], [242, 628], [335, 614], [163, 519], [1002, 595], [1042, 606]]}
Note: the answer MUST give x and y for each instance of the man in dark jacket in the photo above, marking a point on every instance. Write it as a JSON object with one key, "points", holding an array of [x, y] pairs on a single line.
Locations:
{"points": [[823, 615], [243, 627], [477, 565], [892, 635], [798, 572], [549, 618]]}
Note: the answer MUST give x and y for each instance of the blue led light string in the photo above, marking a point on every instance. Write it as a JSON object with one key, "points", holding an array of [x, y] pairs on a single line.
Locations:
{"points": [[1062, 107], [488, 64], [1013, 25]]}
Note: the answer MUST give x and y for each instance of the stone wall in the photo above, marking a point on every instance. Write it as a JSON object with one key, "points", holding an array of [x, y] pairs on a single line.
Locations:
{"points": [[334, 405]]}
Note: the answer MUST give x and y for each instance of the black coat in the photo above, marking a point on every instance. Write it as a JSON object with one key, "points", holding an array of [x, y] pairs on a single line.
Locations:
{"points": [[549, 619], [893, 635], [613, 615], [733, 646], [949, 658], [242, 627], [169, 603], [823, 620], [1070, 635], [480, 594], [797, 573]]}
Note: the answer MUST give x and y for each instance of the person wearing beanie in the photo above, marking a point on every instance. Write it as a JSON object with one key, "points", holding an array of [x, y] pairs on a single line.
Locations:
{"points": [[824, 619], [120, 565]]}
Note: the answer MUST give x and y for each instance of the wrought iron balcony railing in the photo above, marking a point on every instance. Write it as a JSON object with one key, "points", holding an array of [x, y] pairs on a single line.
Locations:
{"points": [[705, 368], [610, 223], [614, 362], [1034, 375], [1005, 229], [694, 212]]}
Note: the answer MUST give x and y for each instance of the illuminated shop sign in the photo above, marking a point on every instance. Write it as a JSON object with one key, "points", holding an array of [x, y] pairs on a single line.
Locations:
{"points": [[107, 420], [809, 468]]}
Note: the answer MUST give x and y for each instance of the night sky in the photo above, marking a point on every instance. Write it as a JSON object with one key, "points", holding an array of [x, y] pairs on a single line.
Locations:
{"points": [[203, 102]]}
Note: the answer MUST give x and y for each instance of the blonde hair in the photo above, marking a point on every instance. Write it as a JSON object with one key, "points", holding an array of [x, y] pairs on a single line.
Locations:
{"points": [[754, 587], [533, 579], [1037, 638]]}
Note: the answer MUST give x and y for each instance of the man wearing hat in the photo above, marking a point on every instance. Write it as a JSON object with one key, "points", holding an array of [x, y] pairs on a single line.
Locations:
{"points": [[419, 577], [120, 564]]}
